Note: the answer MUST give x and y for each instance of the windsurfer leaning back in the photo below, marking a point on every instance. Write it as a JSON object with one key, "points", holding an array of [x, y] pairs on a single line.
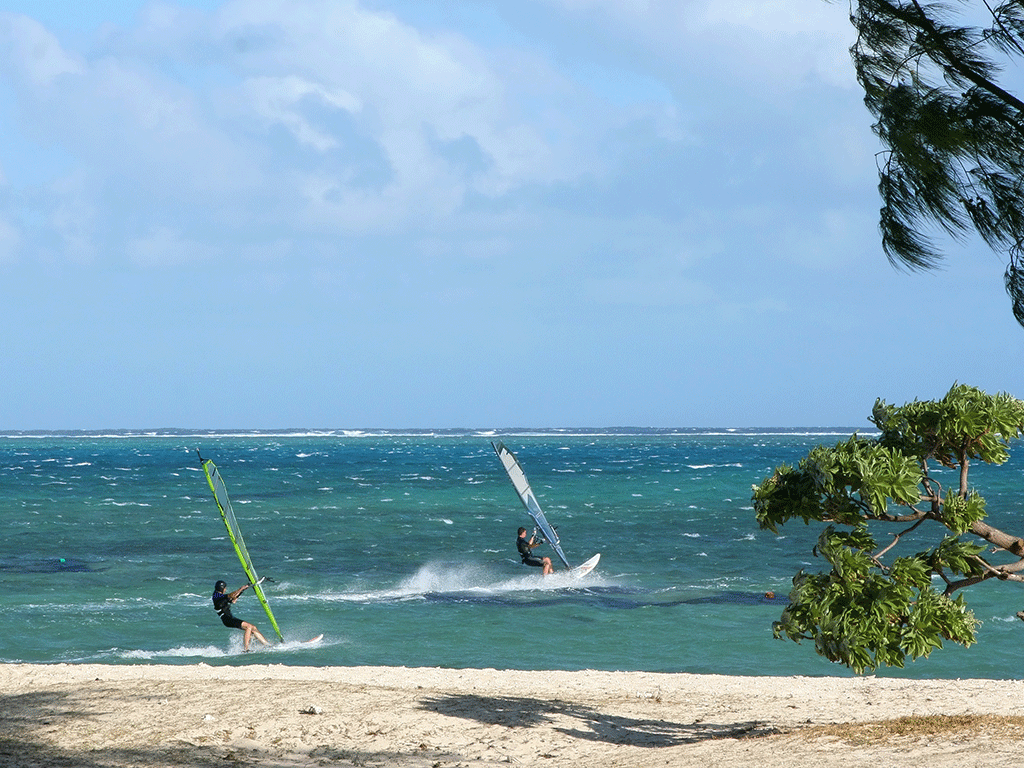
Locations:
{"points": [[222, 604], [525, 547]]}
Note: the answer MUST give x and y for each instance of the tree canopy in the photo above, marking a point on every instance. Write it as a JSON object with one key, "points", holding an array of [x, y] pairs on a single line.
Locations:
{"points": [[877, 605], [954, 136]]}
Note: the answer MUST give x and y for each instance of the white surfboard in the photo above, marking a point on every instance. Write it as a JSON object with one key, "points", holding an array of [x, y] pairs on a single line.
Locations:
{"points": [[582, 570]]}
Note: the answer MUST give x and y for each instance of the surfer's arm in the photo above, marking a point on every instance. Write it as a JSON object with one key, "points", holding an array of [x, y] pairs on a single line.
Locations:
{"points": [[237, 593]]}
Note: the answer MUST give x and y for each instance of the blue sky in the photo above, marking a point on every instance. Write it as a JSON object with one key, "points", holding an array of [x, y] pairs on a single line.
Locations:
{"points": [[487, 213]]}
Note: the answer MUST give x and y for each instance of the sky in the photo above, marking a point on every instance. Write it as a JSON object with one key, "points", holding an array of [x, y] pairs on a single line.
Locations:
{"points": [[479, 214]]}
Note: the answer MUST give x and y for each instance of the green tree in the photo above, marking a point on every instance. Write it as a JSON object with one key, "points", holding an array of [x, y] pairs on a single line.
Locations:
{"points": [[877, 604], [954, 137]]}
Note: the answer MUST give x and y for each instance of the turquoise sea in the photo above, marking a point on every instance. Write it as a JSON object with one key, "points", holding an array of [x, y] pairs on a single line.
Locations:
{"points": [[400, 548]]}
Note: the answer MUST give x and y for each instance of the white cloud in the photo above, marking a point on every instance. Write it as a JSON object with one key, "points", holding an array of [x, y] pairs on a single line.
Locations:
{"points": [[10, 241], [165, 247], [392, 127], [37, 49], [787, 40], [429, 118], [773, 44], [124, 123], [278, 99], [414, 88], [382, 127]]}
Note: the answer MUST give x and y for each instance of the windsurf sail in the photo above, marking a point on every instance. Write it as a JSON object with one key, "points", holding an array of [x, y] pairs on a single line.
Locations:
{"points": [[522, 486], [220, 495]]}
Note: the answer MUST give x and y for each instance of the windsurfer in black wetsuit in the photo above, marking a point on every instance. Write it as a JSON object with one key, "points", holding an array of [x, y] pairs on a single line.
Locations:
{"points": [[525, 547], [222, 604]]}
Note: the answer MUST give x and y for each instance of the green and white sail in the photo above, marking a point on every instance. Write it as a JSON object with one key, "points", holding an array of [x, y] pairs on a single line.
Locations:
{"points": [[220, 495]]}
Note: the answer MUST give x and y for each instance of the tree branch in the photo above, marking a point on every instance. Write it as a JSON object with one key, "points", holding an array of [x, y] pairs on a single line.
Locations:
{"points": [[1008, 34], [1012, 544], [991, 572], [877, 557], [921, 21]]}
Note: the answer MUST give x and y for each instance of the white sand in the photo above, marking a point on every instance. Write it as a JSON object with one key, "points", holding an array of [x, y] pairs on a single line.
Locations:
{"points": [[297, 717]]}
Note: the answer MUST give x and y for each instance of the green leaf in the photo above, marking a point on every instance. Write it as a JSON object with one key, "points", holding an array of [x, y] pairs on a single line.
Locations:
{"points": [[954, 555], [861, 611], [959, 513]]}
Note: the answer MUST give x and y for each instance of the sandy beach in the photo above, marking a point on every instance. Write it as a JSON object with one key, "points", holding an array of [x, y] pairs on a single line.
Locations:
{"points": [[292, 717]]}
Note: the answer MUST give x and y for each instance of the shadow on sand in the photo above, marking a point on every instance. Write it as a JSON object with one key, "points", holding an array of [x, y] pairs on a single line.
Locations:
{"points": [[582, 722], [26, 719], [30, 726]]}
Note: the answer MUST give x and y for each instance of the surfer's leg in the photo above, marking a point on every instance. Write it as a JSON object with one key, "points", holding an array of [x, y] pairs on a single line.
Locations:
{"points": [[250, 631], [547, 566]]}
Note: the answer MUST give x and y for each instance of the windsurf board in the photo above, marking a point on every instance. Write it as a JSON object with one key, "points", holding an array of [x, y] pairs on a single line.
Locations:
{"points": [[582, 570]]}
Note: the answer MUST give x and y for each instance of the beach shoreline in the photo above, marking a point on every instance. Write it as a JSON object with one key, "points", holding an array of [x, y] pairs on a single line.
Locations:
{"points": [[278, 716]]}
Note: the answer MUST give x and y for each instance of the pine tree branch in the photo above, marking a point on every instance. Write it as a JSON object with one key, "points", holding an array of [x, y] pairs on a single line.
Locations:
{"points": [[949, 60]]}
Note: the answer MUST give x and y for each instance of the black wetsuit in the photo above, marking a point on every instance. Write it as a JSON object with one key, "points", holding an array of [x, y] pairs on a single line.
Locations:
{"points": [[222, 605], [523, 545]]}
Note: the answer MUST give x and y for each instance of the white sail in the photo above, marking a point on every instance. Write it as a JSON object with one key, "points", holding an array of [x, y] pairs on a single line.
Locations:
{"points": [[522, 486]]}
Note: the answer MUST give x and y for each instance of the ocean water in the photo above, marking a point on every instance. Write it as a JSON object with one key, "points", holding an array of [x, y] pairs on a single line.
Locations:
{"points": [[400, 549]]}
